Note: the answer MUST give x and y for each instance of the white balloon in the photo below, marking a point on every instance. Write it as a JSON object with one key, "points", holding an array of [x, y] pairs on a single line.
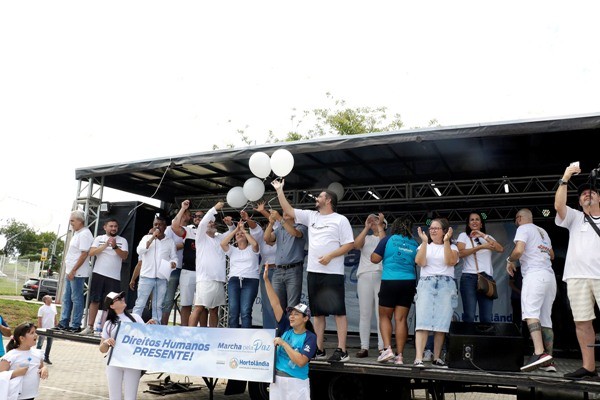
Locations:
{"points": [[260, 164], [236, 198], [282, 162], [254, 189], [3, 241], [336, 188]]}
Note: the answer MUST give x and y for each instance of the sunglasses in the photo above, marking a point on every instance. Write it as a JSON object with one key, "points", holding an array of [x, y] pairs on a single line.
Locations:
{"points": [[197, 216], [120, 298]]}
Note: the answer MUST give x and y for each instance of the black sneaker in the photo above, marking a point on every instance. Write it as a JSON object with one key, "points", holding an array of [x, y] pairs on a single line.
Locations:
{"points": [[60, 328], [339, 356], [73, 330], [535, 361], [581, 373], [47, 361], [320, 354], [439, 363]]}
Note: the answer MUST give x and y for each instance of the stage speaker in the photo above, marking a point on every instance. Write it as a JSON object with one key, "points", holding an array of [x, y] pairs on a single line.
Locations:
{"points": [[491, 347]]}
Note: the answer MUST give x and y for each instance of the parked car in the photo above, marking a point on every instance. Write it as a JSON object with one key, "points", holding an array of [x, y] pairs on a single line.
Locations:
{"points": [[44, 286]]}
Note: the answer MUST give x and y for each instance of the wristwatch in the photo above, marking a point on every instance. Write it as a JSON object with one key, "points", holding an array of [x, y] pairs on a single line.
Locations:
{"points": [[561, 182]]}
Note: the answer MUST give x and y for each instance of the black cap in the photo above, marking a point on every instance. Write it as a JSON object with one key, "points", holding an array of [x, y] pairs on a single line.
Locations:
{"points": [[584, 187]]}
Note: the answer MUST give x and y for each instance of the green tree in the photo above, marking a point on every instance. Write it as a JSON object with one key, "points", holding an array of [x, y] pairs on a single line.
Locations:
{"points": [[23, 241]]}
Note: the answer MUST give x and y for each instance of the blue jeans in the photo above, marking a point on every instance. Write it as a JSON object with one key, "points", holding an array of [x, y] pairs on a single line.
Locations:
{"points": [[268, 316], [288, 285], [146, 287], [72, 302], [470, 299], [171, 290], [40, 343], [242, 293]]}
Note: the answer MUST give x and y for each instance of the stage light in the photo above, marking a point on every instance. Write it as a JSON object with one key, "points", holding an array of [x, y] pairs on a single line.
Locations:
{"points": [[546, 212], [373, 195], [484, 216], [436, 190]]}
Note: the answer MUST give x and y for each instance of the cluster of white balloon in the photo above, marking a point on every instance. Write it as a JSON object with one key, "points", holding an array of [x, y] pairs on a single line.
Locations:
{"points": [[281, 163]]}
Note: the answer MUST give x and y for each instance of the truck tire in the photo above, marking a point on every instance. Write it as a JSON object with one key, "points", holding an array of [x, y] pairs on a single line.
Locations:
{"points": [[258, 390]]}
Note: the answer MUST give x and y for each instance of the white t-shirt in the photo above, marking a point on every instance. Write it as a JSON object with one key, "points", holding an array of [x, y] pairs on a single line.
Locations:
{"points": [[365, 264], [160, 249], [326, 233], [583, 254], [109, 330], [267, 253], [80, 241], [177, 240], [26, 358], [108, 263], [47, 314], [435, 261], [210, 258], [537, 248], [484, 257], [243, 263]]}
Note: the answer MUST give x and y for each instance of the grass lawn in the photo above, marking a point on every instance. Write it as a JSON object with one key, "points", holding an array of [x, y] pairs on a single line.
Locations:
{"points": [[16, 312]]}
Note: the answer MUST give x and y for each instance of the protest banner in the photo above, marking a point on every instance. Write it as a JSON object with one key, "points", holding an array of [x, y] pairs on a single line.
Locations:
{"points": [[241, 354]]}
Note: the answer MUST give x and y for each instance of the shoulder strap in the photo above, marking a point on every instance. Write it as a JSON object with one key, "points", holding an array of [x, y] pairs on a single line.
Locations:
{"points": [[592, 223], [474, 255]]}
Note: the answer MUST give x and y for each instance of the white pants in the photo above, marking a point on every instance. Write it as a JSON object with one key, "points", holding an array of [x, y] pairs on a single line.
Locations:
{"points": [[124, 380], [368, 300], [285, 388], [537, 296]]}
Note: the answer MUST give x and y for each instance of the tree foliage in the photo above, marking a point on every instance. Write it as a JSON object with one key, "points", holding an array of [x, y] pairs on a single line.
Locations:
{"points": [[23, 241], [335, 120], [341, 120]]}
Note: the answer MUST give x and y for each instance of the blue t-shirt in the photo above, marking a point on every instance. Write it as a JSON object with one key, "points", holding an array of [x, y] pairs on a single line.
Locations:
{"points": [[305, 344], [398, 253], [3, 323]]}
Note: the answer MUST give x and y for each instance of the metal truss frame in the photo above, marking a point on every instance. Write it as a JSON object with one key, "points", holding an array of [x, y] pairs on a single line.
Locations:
{"points": [[498, 198]]}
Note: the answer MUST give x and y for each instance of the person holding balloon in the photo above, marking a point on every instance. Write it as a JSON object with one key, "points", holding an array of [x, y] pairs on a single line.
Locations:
{"points": [[330, 237]]}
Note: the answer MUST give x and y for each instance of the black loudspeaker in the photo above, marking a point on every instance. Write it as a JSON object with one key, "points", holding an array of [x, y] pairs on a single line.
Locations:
{"points": [[492, 347], [135, 220]]}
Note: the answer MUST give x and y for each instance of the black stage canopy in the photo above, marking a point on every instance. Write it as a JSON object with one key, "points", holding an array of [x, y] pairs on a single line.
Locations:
{"points": [[456, 158]]}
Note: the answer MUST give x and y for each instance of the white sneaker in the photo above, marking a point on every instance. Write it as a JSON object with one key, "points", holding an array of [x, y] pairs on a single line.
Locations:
{"points": [[428, 356], [87, 331], [386, 354]]}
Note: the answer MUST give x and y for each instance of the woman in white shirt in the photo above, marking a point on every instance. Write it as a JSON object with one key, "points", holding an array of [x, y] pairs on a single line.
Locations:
{"points": [[242, 285], [437, 296], [475, 248]]}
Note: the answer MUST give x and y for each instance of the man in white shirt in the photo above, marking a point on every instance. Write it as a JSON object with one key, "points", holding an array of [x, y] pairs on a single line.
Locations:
{"points": [[187, 279], [330, 237], [582, 265], [110, 250], [46, 319], [173, 283], [534, 249], [77, 263], [154, 250], [210, 270]]}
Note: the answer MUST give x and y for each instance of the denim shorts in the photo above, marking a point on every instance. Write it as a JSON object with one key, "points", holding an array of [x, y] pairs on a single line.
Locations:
{"points": [[435, 302]]}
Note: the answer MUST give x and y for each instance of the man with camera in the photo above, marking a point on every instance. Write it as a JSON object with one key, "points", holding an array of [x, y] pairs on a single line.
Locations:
{"points": [[582, 265]]}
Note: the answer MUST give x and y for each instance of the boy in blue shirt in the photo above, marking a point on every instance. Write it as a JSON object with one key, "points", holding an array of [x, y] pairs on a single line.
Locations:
{"points": [[296, 346]]}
